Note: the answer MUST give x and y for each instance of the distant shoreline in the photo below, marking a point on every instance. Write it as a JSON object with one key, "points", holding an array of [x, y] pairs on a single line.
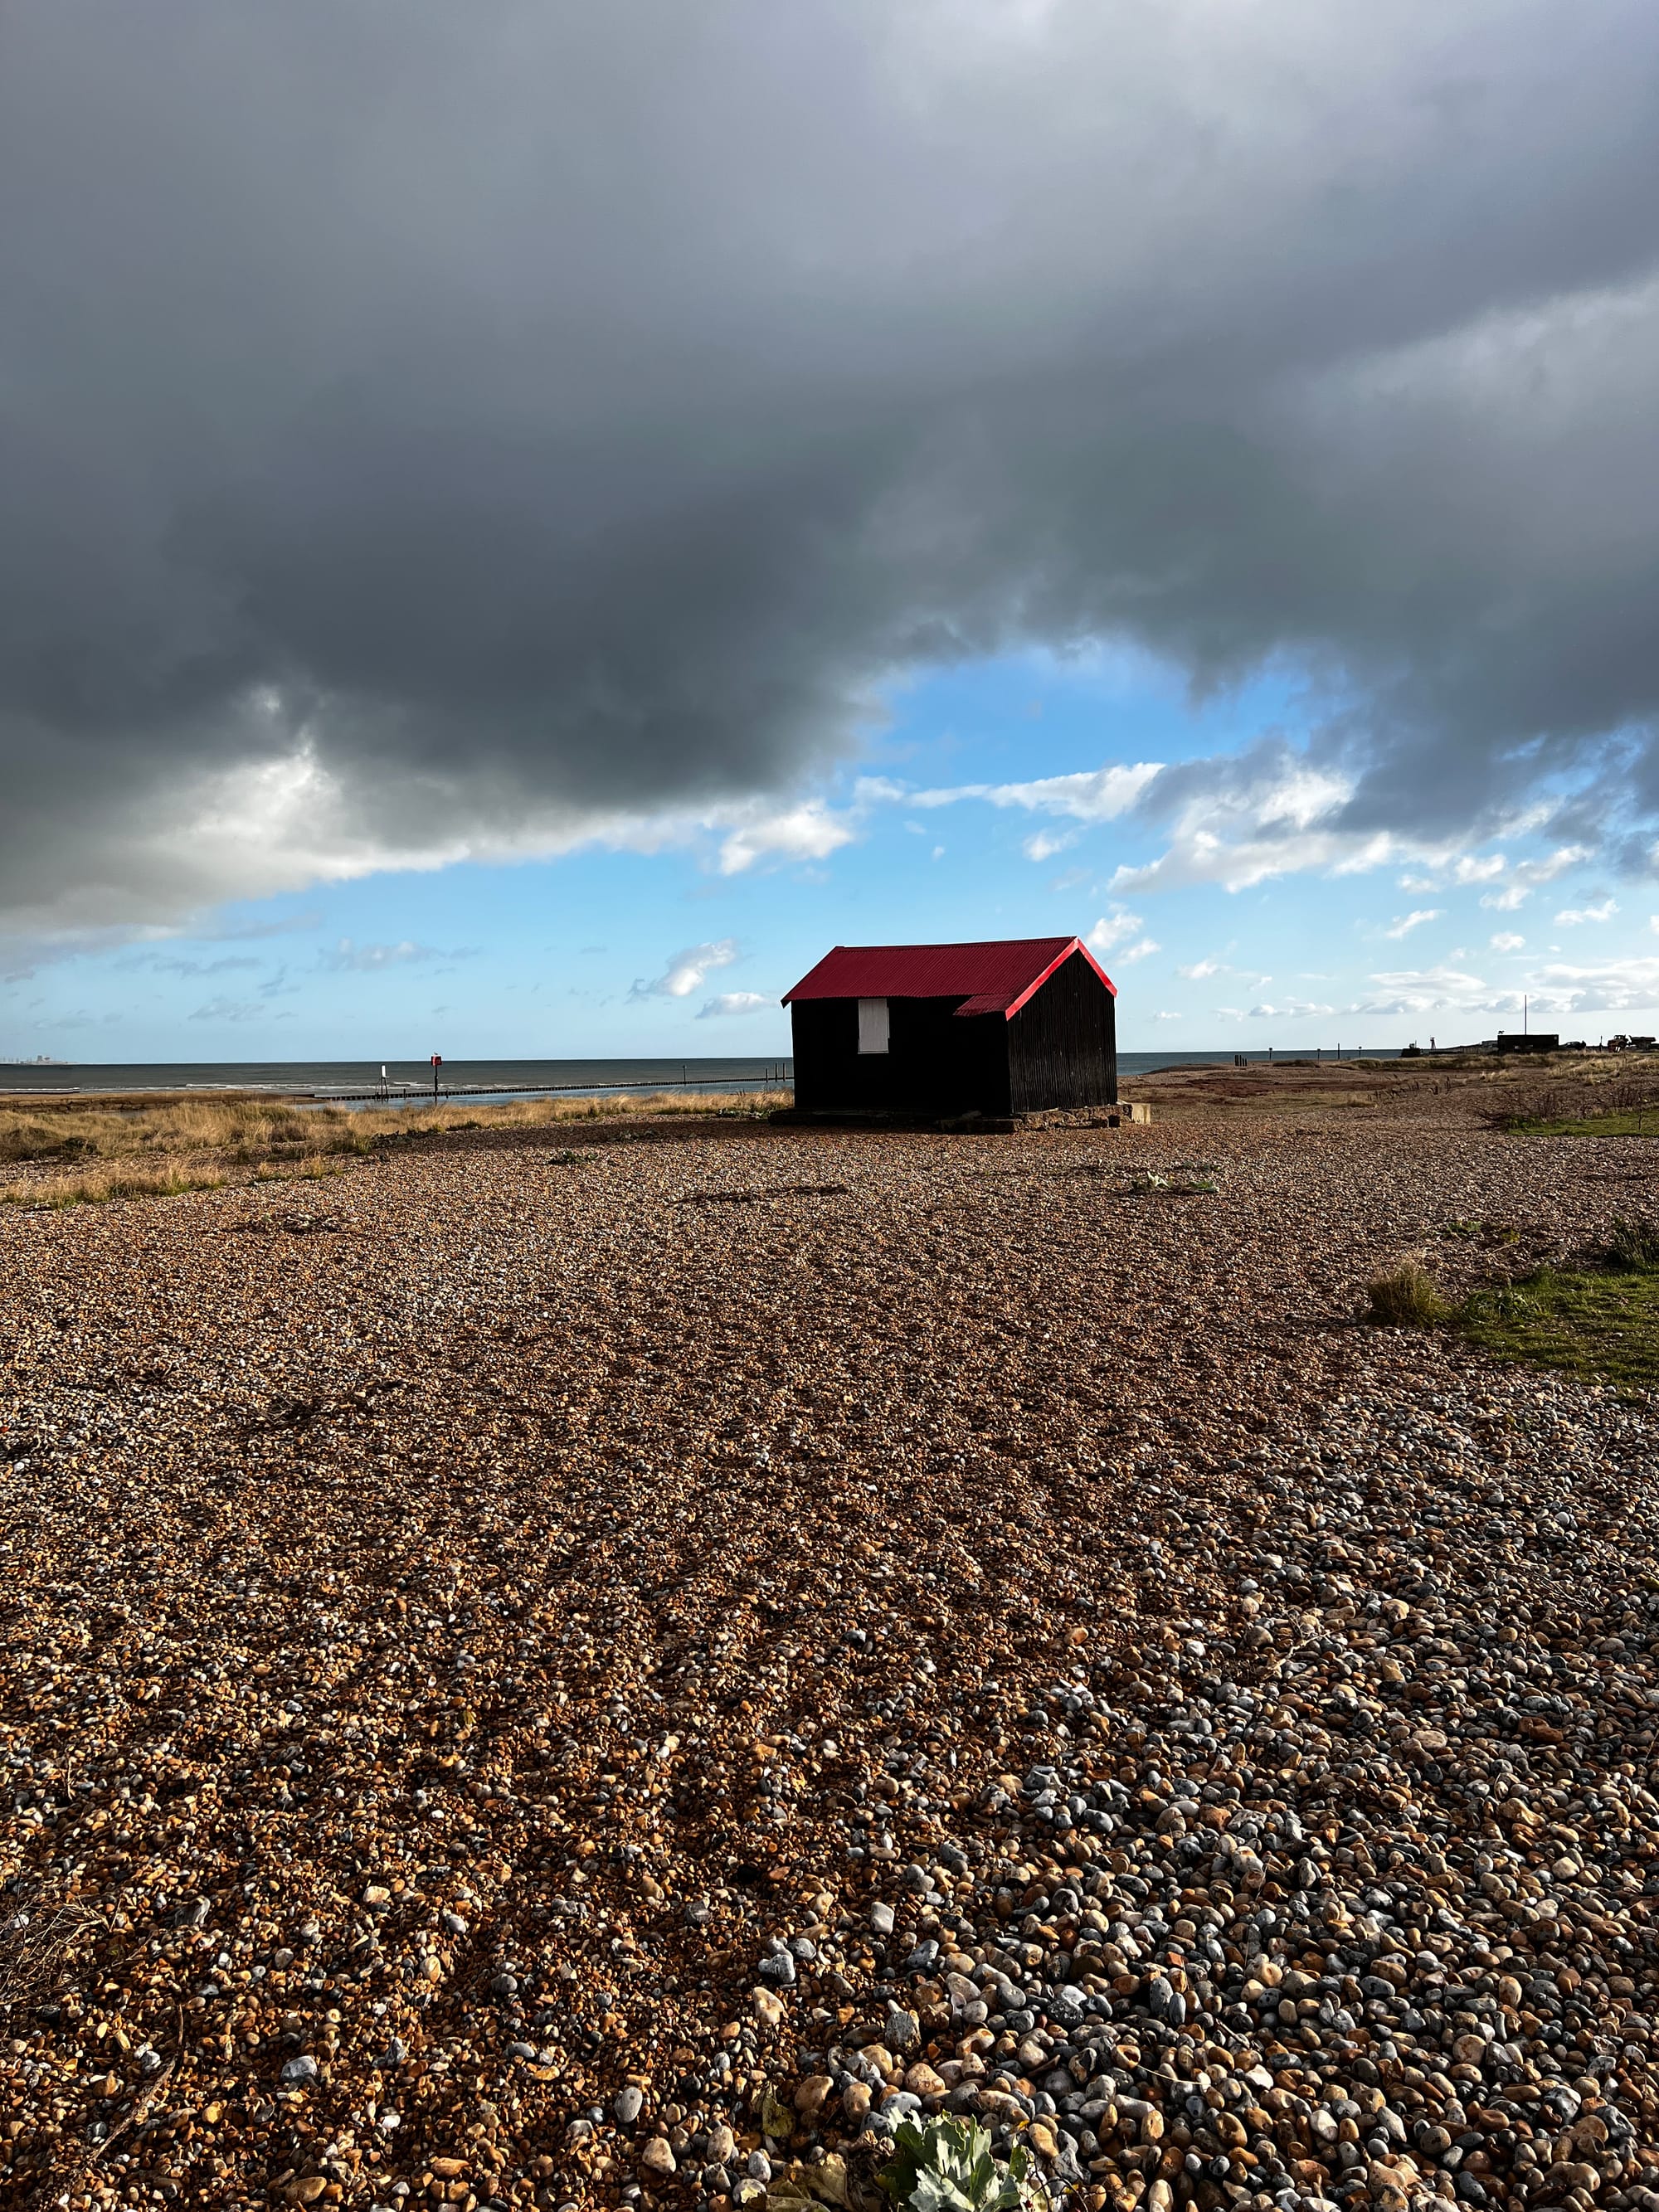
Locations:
{"points": [[320, 1079]]}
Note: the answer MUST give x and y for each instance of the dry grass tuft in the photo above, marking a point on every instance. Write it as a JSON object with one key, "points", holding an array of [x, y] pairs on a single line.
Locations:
{"points": [[1404, 1297], [171, 1127], [172, 1146], [313, 1170], [1634, 1248], [254, 1128], [101, 1184], [22, 1137]]}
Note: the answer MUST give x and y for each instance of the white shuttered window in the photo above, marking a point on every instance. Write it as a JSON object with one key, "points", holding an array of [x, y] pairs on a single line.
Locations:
{"points": [[873, 1025]]}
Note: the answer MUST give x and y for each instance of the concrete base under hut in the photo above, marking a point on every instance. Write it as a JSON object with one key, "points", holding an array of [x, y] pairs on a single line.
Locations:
{"points": [[965, 1125]]}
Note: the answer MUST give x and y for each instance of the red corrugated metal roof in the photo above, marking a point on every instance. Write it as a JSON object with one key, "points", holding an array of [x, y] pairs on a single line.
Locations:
{"points": [[994, 978]]}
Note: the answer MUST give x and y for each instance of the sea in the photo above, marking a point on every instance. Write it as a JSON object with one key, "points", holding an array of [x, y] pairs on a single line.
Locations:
{"points": [[410, 1082]]}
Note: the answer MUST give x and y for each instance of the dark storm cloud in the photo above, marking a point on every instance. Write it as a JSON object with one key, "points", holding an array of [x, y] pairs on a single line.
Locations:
{"points": [[427, 429]]}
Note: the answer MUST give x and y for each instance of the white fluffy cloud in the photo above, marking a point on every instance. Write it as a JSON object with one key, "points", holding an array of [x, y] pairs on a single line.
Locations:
{"points": [[1403, 923], [1605, 987], [686, 970], [1530, 874], [1044, 844], [806, 831], [1240, 826], [1559, 989], [1114, 929], [1273, 811], [1430, 990], [1574, 917], [730, 1003], [1119, 934], [1098, 794], [1507, 941]]}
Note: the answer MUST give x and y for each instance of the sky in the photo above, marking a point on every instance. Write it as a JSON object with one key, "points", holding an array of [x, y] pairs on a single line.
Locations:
{"points": [[521, 526]]}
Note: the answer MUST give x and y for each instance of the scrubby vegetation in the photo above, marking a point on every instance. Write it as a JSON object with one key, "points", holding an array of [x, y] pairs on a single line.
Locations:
{"points": [[1586, 1100], [174, 1144], [1405, 1296], [1599, 1319]]}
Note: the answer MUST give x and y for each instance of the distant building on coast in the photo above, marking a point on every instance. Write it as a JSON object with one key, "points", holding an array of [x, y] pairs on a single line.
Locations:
{"points": [[1022, 1025], [1523, 1041]]}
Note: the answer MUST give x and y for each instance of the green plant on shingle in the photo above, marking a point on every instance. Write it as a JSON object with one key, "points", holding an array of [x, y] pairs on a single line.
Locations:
{"points": [[1180, 1182], [947, 2166]]}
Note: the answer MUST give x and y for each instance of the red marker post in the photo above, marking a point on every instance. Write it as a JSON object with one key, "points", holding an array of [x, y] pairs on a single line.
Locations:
{"points": [[437, 1062]]}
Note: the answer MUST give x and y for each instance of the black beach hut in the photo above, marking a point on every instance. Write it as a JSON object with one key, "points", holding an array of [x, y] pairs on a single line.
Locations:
{"points": [[1020, 1025]]}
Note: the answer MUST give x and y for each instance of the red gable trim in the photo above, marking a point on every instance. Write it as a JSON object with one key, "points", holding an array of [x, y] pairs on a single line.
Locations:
{"points": [[1076, 945]]}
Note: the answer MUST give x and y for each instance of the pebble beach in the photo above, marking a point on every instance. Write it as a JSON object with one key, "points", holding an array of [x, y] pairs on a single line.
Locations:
{"points": [[574, 1674]]}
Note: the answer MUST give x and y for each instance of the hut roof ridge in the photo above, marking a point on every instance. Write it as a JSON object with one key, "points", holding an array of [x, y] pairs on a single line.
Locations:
{"points": [[993, 976]]}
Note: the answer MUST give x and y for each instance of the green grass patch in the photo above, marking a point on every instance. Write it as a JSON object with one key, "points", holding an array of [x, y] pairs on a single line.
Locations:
{"points": [[1603, 1324], [1640, 1121], [1599, 1319]]}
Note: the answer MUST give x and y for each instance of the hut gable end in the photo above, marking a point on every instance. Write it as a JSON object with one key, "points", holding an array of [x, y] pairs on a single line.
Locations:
{"points": [[1062, 1043]]}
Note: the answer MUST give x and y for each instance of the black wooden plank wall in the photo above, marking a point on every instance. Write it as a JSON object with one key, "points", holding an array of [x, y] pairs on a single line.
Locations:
{"points": [[1062, 1044], [935, 1064]]}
